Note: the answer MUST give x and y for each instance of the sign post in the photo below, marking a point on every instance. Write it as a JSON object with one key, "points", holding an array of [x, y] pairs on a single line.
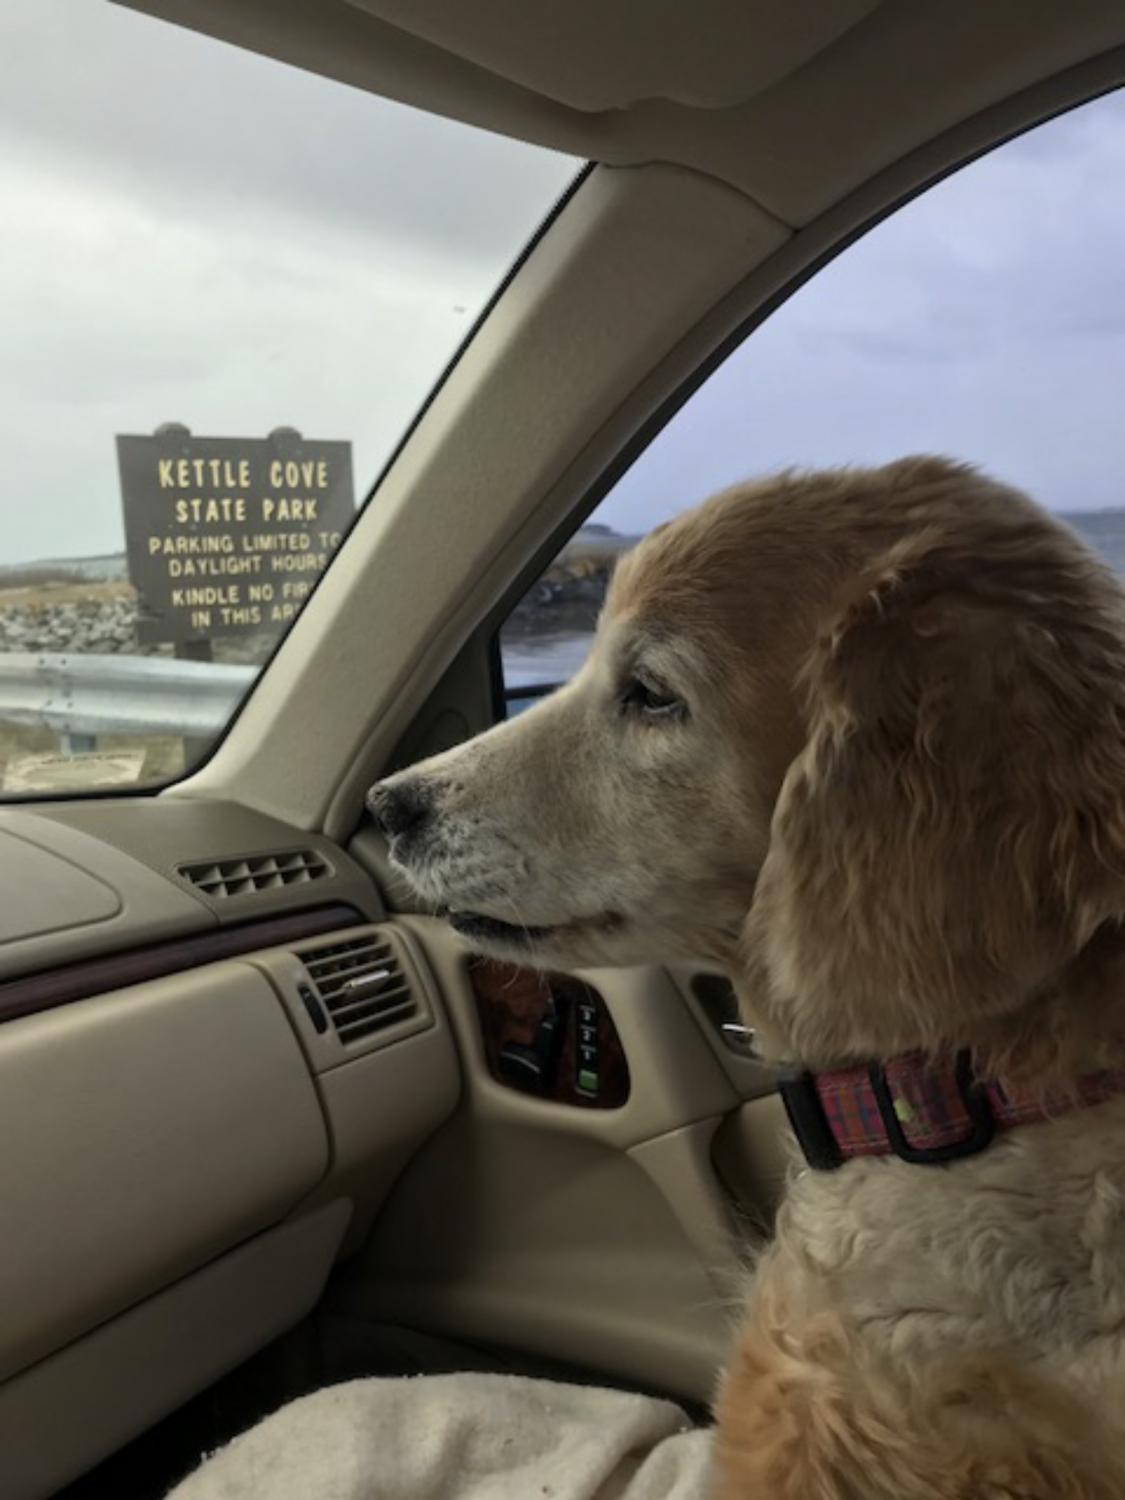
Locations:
{"points": [[226, 536]]}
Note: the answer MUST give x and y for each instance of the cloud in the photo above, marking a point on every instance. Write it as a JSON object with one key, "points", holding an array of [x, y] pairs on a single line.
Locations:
{"points": [[195, 234], [207, 132], [985, 320]]}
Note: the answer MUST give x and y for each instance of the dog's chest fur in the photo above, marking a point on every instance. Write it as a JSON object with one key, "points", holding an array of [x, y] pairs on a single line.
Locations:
{"points": [[1021, 1248]]}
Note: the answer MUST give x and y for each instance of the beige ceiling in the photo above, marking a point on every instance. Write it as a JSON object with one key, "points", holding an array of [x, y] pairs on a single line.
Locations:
{"points": [[793, 102], [605, 58]]}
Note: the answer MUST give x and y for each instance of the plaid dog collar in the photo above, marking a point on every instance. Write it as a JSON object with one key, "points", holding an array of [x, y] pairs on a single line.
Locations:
{"points": [[918, 1110]]}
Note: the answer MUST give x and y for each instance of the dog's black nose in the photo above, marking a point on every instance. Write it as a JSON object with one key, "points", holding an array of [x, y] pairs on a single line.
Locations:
{"points": [[399, 806]]}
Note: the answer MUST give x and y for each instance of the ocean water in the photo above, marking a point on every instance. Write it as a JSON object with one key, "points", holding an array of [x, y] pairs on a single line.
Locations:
{"points": [[1105, 532], [546, 656]]}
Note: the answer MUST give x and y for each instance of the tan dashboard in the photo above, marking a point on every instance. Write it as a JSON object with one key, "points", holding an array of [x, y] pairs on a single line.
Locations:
{"points": [[210, 1074]]}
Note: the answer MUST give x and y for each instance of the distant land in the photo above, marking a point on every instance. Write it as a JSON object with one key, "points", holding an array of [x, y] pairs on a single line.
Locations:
{"points": [[110, 567], [592, 541], [1103, 529]]}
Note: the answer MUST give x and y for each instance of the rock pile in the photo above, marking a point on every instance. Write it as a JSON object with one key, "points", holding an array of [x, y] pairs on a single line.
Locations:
{"points": [[99, 625]]}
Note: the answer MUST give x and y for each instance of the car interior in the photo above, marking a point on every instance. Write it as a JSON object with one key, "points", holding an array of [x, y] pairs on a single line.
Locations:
{"points": [[268, 1125]]}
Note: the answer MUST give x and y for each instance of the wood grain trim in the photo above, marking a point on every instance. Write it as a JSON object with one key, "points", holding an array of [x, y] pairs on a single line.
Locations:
{"points": [[114, 971], [511, 1002]]}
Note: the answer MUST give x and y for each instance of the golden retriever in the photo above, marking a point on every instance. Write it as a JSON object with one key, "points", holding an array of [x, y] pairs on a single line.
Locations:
{"points": [[858, 737]]}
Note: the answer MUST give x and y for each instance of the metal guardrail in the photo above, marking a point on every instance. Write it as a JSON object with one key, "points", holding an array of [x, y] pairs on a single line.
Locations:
{"points": [[82, 696], [90, 695]]}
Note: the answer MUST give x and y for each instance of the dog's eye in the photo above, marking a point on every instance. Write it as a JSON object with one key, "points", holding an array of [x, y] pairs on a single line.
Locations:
{"points": [[650, 701]]}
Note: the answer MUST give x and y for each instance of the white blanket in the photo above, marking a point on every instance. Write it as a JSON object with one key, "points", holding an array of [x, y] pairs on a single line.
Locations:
{"points": [[461, 1437]]}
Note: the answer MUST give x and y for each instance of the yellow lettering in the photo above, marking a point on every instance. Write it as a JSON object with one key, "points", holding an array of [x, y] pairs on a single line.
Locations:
{"points": [[209, 595], [296, 474], [249, 615], [277, 541], [217, 473], [212, 567], [228, 508], [289, 508], [287, 562]]}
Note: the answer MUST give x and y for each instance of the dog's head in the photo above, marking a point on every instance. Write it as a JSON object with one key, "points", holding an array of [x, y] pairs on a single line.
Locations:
{"points": [[855, 736]]}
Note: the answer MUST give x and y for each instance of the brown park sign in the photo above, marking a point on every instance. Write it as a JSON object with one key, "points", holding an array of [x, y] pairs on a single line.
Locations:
{"points": [[226, 536]]}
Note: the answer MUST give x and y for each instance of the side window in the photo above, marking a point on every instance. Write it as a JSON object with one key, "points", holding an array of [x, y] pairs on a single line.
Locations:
{"points": [[226, 286], [985, 320]]}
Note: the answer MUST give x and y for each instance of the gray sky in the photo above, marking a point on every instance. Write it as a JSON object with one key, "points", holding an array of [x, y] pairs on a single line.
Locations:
{"points": [[985, 320], [195, 234]]}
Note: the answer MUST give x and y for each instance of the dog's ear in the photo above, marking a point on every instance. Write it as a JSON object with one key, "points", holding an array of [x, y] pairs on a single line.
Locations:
{"points": [[952, 836]]}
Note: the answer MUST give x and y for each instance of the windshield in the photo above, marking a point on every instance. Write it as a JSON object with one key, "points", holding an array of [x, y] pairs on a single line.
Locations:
{"points": [[227, 286]]}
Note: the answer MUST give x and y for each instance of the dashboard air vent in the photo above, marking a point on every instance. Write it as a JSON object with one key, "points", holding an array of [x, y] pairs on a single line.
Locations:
{"points": [[361, 985], [256, 872]]}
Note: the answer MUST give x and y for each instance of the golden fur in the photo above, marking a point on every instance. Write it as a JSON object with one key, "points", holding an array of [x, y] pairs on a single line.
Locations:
{"points": [[858, 736]]}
